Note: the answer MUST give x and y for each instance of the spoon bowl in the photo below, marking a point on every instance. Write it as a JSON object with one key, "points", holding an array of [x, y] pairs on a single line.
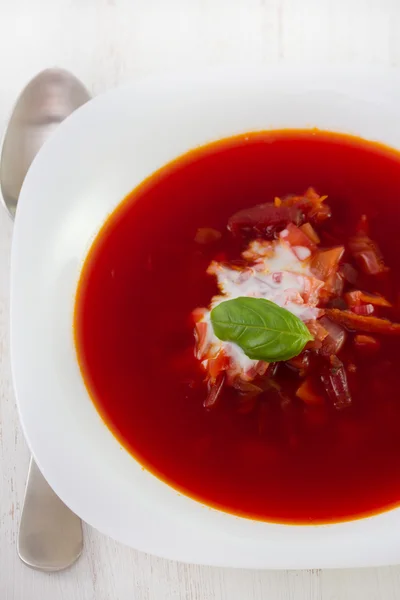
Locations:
{"points": [[45, 102]]}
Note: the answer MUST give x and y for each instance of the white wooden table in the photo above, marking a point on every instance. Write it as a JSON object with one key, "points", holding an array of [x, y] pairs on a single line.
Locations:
{"points": [[106, 42]]}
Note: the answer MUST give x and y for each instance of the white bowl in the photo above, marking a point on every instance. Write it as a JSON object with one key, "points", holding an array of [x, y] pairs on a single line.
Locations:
{"points": [[93, 160]]}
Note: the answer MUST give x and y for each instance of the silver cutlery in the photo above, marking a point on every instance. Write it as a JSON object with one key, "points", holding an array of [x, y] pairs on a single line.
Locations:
{"points": [[50, 534]]}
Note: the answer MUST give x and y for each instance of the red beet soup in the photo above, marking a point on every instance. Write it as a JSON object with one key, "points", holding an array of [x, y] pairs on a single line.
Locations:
{"points": [[313, 438]]}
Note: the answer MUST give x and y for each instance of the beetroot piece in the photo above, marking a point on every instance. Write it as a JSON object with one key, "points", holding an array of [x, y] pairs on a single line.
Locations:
{"points": [[263, 220]]}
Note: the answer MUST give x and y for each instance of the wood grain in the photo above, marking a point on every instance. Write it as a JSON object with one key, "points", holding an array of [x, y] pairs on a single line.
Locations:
{"points": [[107, 42]]}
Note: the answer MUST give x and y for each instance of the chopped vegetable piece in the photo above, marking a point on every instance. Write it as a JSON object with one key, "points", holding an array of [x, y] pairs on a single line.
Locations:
{"points": [[333, 342], [301, 362], [310, 232], [320, 214], [264, 220], [214, 392], [312, 290], [207, 235], [334, 380], [259, 368], [358, 297], [353, 298], [375, 299], [201, 339], [363, 309], [349, 273], [296, 237], [218, 364], [326, 262], [246, 387], [360, 323], [277, 277], [366, 344], [318, 332], [369, 262], [307, 394], [198, 314], [310, 204], [367, 254], [334, 285]]}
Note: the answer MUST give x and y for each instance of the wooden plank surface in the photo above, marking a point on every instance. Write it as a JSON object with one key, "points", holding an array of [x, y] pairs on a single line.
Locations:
{"points": [[107, 42]]}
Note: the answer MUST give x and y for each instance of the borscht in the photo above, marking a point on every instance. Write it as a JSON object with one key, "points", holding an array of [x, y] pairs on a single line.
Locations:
{"points": [[237, 325]]}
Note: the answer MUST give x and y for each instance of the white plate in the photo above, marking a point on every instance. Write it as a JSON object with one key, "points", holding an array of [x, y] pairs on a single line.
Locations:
{"points": [[94, 159]]}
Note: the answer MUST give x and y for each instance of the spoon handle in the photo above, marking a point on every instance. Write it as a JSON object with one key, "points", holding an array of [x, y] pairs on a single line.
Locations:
{"points": [[50, 534]]}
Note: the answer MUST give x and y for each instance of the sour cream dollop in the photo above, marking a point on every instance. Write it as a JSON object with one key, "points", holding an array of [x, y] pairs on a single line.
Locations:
{"points": [[277, 272]]}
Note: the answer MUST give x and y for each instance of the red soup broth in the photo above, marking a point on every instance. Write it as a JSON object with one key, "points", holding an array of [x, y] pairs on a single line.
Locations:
{"points": [[144, 275]]}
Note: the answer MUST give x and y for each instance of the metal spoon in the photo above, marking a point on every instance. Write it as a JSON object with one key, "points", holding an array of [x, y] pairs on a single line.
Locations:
{"points": [[50, 534]]}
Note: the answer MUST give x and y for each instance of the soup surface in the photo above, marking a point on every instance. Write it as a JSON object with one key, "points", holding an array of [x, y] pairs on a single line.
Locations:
{"points": [[321, 454]]}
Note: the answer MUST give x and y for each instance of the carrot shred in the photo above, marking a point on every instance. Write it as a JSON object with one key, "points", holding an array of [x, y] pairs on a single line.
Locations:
{"points": [[361, 323], [198, 314], [218, 364], [258, 369], [358, 297], [201, 339], [353, 298], [366, 344], [311, 204], [375, 299], [310, 232], [277, 201]]}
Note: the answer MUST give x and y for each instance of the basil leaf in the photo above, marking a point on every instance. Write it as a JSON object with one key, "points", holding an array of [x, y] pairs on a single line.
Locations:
{"points": [[262, 329]]}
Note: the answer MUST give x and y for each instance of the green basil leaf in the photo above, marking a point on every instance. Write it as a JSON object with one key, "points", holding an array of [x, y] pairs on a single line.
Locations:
{"points": [[262, 329]]}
